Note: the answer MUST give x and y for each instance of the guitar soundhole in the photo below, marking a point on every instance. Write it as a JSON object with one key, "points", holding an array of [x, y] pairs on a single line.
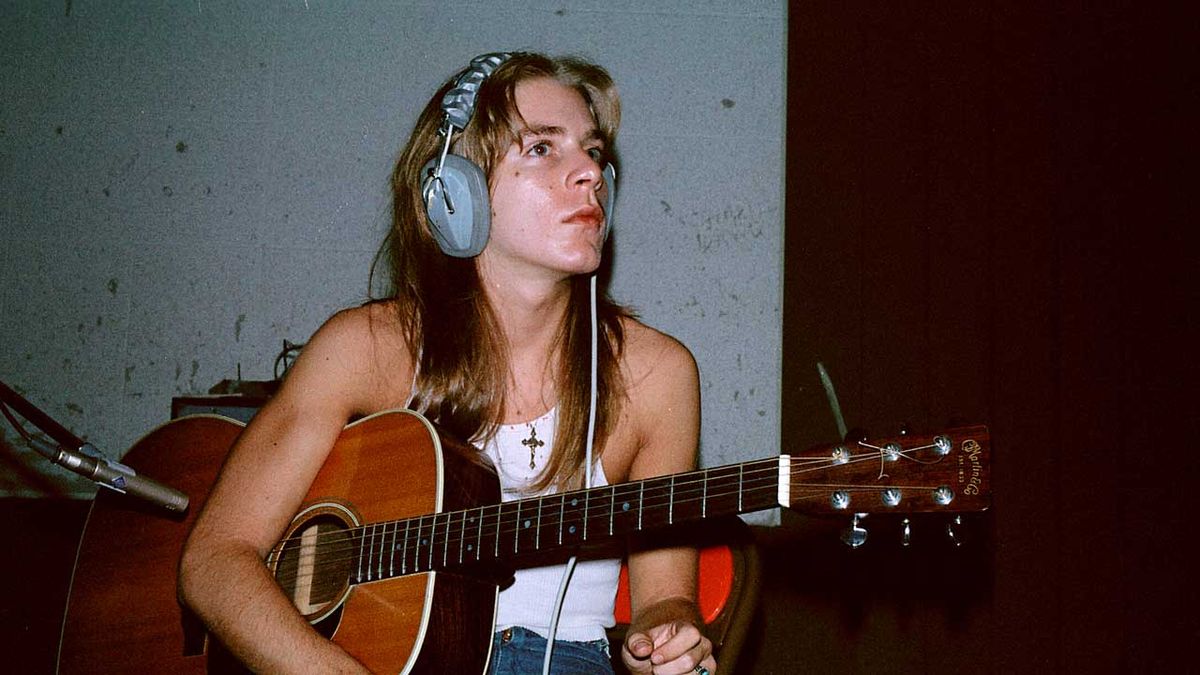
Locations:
{"points": [[314, 565]]}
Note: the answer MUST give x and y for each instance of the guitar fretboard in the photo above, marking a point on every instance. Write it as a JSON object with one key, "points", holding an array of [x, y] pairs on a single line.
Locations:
{"points": [[570, 519]]}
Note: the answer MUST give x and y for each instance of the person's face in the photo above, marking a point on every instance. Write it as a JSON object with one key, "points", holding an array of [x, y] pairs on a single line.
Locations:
{"points": [[547, 189]]}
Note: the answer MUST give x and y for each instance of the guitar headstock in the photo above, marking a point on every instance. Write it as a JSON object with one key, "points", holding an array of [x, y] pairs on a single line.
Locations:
{"points": [[947, 471]]}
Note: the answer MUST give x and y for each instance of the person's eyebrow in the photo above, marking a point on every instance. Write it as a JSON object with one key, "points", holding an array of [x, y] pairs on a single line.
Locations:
{"points": [[592, 134]]}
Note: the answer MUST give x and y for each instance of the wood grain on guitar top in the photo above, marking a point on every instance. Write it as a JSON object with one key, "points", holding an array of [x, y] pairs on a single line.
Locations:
{"points": [[122, 613]]}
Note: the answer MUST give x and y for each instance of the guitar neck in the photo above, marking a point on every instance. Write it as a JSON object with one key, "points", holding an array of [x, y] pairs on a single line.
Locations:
{"points": [[947, 472], [567, 520]]}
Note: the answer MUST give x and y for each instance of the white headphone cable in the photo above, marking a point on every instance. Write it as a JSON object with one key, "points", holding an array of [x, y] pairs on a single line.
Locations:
{"points": [[587, 483]]}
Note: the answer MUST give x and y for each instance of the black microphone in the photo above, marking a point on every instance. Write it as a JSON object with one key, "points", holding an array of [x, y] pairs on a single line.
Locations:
{"points": [[116, 476]]}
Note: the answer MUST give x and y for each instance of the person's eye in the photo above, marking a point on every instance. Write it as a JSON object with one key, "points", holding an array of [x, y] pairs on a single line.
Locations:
{"points": [[539, 149], [597, 154]]}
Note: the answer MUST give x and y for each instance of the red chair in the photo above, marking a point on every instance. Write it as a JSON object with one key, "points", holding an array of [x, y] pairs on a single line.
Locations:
{"points": [[728, 595]]}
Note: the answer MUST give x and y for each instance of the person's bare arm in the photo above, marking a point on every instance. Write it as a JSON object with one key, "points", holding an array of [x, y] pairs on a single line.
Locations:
{"points": [[665, 635], [222, 576]]}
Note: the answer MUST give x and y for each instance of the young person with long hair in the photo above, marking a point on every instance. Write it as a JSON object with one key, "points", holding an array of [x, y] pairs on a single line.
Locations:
{"points": [[496, 350]]}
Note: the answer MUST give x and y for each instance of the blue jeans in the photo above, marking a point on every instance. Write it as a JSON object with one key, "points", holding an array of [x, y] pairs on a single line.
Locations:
{"points": [[519, 651]]}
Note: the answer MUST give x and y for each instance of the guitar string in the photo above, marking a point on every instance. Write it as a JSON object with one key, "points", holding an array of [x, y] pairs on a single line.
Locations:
{"points": [[623, 492], [338, 557], [769, 465], [351, 537], [352, 540], [335, 574]]}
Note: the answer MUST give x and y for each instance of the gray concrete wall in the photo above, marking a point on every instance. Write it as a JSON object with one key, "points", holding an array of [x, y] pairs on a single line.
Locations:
{"points": [[186, 185]]}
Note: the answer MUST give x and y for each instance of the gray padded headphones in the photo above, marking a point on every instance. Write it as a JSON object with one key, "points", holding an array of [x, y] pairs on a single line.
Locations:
{"points": [[454, 188]]}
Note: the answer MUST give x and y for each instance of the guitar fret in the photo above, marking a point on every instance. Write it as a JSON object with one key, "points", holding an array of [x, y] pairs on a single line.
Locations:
{"points": [[517, 530], [423, 540], [404, 552], [741, 471], [499, 517], [586, 503], [641, 502], [391, 549], [537, 535], [446, 543], [612, 508], [361, 545], [462, 539], [479, 536], [432, 539], [671, 503], [379, 566], [562, 513], [368, 552]]}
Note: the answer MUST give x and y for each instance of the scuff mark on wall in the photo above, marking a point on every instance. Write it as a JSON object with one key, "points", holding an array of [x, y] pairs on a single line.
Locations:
{"points": [[733, 225], [237, 328], [113, 283], [74, 408]]}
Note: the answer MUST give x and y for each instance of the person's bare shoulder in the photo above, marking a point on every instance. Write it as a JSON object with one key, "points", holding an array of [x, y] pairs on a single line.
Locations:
{"points": [[364, 353], [662, 387], [653, 358]]}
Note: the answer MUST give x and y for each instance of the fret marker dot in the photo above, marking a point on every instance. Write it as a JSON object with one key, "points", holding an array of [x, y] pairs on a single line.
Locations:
{"points": [[625, 506], [424, 541], [470, 547], [571, 529], [574, 502], [527, 524]]}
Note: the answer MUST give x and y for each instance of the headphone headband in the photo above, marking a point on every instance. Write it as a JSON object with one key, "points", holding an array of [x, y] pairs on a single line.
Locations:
{"points": [[459, 102]]}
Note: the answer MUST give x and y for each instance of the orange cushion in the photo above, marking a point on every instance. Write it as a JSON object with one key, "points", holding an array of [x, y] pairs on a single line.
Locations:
{"points": [[716, 580]]}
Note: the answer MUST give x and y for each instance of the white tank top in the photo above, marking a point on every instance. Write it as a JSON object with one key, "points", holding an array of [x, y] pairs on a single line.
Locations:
{"points": [[529, 602]]}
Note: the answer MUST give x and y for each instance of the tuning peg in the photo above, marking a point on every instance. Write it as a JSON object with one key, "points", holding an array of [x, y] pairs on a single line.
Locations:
{"points": [[905, 532], [955, 531], [855, 535]]}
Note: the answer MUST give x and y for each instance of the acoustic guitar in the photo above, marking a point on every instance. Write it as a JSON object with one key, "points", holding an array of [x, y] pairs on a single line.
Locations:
{"points": [[402, 542]]}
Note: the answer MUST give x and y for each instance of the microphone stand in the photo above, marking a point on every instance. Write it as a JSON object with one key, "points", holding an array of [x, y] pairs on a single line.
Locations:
{"points": [[84, 459]]}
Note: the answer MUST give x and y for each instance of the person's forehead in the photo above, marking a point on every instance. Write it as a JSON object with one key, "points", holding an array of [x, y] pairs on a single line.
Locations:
{"points": [[550, 105]]}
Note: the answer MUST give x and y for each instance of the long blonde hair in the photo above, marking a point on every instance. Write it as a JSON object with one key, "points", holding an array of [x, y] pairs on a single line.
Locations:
{"points": [[449, 325]]}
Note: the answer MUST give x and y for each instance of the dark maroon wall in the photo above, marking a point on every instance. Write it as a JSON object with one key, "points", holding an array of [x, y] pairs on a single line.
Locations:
{"points": [[988, 219]]}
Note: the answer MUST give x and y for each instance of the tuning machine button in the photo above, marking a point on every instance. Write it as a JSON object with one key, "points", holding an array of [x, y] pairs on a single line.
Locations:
{"points": [[905, 532], [840, 455], [840, 500], [941, 444], [855, 535], [890, 496], [943, 495]]}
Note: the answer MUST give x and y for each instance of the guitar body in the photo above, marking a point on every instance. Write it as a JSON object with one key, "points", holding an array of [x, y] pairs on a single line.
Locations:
{"points": [[122, 614]]}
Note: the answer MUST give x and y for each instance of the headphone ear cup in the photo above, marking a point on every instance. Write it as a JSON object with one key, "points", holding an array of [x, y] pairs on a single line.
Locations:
{"points": [[457, 206], [610, 186]]}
